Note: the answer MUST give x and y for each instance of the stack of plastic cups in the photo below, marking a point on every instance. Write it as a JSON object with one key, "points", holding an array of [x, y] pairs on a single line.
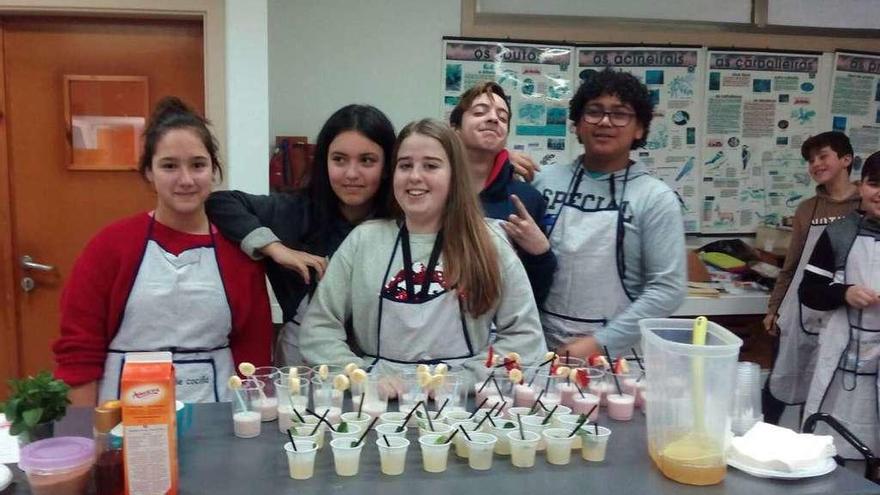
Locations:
{"points": [[747, 398]]}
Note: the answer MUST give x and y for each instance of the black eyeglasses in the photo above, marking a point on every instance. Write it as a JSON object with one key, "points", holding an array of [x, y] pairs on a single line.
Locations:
{"points": [[616, 117]]}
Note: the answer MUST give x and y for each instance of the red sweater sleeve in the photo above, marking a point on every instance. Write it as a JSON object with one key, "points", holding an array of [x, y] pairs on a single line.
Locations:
{"points": [[94, 297], [245, 283]]}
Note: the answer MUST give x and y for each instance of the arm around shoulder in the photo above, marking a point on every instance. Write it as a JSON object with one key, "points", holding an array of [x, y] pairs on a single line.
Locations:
{"points": [[322, 335]]}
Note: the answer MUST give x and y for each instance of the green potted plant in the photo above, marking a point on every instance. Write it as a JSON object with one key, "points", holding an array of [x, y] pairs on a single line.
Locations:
{"points": [[34, 404]]}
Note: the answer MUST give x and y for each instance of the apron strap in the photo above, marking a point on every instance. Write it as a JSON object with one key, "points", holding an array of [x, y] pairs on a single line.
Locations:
{"points": [[407, 264]]}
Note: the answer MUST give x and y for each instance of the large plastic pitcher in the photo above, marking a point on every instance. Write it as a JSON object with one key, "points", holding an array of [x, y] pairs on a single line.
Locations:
{"points": [[688, 398]]}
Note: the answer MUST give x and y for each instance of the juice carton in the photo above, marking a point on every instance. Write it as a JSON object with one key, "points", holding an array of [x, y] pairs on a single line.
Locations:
{"points": [[149, 422]]}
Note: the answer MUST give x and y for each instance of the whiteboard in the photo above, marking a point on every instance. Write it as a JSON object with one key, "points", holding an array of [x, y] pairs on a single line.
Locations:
{"points": [[730, 11], [844, 14]]}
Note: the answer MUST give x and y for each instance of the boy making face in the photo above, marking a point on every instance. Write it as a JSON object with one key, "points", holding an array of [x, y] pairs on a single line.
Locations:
{"points": [[482, 119]]}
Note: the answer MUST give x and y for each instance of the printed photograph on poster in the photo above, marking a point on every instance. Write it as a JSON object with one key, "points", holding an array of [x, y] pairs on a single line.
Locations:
{"points": [[673, 77]]}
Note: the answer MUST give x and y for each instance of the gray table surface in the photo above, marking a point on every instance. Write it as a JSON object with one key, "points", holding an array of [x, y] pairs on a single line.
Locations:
{"points": [[214, 461]]}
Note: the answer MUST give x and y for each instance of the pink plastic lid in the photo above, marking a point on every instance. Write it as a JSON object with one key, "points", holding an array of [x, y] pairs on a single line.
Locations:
{"points": [[57, 454]]}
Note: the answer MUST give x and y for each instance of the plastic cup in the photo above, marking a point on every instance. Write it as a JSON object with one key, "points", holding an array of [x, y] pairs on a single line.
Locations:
{"points": [[375, 395], [268, 402], [411, 391], [635, 387], [392, 459], [536, 424], [60, 465], [558, 446], [620, 407], [441, 428], [500, 402], [549, 384], [422, 420], [568, 422], [460, 441], [584, 404], [454, 387], [346, 459], [311, 421], [502, 447], [434, 455], [481, 413], [298, 370], [246, 415], [522, 448], [327, 398], [301, 462], [481, 447], [594, 445], [288, 399], [524, 395], [453, 417], [304, 432], [601, 388], [560, 411], [395, 418], [353, 418], [354, 431], [512, 412], [390, 430]]}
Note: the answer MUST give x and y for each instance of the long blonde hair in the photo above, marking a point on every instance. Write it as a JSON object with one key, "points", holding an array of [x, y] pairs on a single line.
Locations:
{"points": [[470, 259]]}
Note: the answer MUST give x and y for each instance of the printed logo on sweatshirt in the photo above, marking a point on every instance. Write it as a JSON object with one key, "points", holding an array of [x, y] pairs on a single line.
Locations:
{"points": [[824, 220], [585, 202], [395, 288]]}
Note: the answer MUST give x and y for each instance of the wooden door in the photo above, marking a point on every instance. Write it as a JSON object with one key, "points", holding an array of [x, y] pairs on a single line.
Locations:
{"points": [[53, 210]]}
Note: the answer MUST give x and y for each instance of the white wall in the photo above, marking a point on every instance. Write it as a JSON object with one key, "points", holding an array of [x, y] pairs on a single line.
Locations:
{"points": [[247, 95], [324, 54]]}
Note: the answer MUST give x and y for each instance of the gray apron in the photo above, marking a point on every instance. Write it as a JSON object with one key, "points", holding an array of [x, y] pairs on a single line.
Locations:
{"points": [[799, 328], [288, 350], [845, 383], [588, 288], [178, 304], [422, 323]]}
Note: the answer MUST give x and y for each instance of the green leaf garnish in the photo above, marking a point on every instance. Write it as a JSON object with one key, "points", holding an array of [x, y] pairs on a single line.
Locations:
{"points": [[508, 425], [342, 428]]}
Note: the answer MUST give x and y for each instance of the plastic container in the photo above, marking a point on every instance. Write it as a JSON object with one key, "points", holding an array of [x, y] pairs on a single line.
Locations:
{"points": [[688, 409], [58, 466]]}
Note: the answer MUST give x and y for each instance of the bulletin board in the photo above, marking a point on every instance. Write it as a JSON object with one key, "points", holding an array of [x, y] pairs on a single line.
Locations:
{"points": [[728, 124], [536, 77], [855, 103]]}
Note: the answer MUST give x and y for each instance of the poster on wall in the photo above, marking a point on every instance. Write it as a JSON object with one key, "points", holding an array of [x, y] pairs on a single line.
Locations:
{"points": [[855, 102], [674, 78], [537, 79], [759, 107]]}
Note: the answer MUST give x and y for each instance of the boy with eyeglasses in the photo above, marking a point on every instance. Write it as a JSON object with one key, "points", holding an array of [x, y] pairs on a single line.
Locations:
{"points": [[617, 232]]}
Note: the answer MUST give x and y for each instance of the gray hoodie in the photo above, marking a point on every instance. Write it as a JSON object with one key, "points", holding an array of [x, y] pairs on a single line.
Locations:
{"points": [[655, 275]]}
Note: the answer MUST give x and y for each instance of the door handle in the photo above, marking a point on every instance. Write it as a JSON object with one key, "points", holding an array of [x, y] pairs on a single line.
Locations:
{"points": [[28, 263]]}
